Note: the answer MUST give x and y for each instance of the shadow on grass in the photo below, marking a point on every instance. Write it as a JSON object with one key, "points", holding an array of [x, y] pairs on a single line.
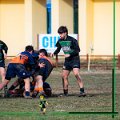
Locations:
{"points": [[62, 95]]}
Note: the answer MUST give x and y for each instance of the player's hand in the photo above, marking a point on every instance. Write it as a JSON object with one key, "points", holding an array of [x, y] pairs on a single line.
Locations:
{"points": [[67, 55], [41, 65], [5, 56], [51, 54]]}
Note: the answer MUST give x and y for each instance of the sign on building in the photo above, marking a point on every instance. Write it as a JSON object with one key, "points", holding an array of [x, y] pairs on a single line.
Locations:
{"points": [[48, 41]]}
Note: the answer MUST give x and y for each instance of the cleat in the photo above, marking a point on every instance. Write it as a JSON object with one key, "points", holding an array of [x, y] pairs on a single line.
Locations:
{"points": [[27, 97], [63, 95], [34, 94], [82, 94]]}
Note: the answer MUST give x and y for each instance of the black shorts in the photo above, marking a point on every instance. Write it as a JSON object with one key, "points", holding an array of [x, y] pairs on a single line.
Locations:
{"points": [[2, 64], [45, 71], [70, 64], [42, 73]]}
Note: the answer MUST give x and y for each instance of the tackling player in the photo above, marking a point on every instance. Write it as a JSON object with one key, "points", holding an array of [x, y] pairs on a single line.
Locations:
{"points": [[44, 69], [17, 67]]}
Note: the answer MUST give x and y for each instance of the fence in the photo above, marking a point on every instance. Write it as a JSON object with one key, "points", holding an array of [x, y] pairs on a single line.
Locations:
{"points": [[94, 61]]}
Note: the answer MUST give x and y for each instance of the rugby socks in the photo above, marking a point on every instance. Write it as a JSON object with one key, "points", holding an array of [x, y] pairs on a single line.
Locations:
{"points": [[5, 91], [39, 89], [40, 92], [65, 92], [12, 87], [81, 90]]}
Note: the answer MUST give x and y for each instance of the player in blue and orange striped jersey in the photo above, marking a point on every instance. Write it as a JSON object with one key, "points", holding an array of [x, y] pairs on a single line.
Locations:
{"points": [[45, 66], [17, 67]]}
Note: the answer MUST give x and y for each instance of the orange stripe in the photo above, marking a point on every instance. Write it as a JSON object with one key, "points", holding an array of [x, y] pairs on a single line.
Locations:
{"points": [[48, 60], [39, 89], [20, 59]]}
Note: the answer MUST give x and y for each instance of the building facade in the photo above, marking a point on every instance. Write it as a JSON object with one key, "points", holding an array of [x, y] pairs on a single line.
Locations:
{"points": [[22, 20]]}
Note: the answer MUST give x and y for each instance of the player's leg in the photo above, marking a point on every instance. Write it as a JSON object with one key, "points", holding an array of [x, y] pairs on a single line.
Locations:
{"points": [[78, 77], [4, 83], [79, 81], [39, 83], [9, 74], [2, 73], [47, 89], [39, 79], [22, 73], [65, 75], [14, 85], [27, 88]]}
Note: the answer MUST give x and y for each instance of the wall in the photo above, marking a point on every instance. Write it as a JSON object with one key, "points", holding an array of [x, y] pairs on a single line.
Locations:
{"points": [[89, 25], [82, 17], [103, 27], [55, 15], [66, 14], [22, 20], [39, 22], [118, 27], [12, 25]]}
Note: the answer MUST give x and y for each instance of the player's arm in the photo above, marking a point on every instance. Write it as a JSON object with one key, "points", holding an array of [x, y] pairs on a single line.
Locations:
{"points": [[57, 50], [41, 63], [75, 48]]}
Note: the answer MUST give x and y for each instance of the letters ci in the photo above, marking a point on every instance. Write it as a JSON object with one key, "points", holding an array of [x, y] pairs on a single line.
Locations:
{"points": [[49, 41]]}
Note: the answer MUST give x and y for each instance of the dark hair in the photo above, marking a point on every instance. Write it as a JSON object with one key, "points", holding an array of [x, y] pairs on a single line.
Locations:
{"points": [[62, 29], [43, 51], [29, 48]]}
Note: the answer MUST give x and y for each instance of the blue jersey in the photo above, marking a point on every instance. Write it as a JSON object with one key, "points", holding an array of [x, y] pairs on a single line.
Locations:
{"points": [[23, 58], [46, 70]]}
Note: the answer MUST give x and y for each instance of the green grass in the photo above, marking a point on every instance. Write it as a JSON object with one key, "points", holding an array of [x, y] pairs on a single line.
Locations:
{"points": [[98, 86]]}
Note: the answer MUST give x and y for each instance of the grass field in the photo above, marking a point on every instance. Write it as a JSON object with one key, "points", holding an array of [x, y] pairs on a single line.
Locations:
{"points": [[98, 86]]}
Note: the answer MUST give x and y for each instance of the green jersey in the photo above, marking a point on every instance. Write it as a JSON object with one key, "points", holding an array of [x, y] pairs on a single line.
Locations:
{"points": [[69, 46]]}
